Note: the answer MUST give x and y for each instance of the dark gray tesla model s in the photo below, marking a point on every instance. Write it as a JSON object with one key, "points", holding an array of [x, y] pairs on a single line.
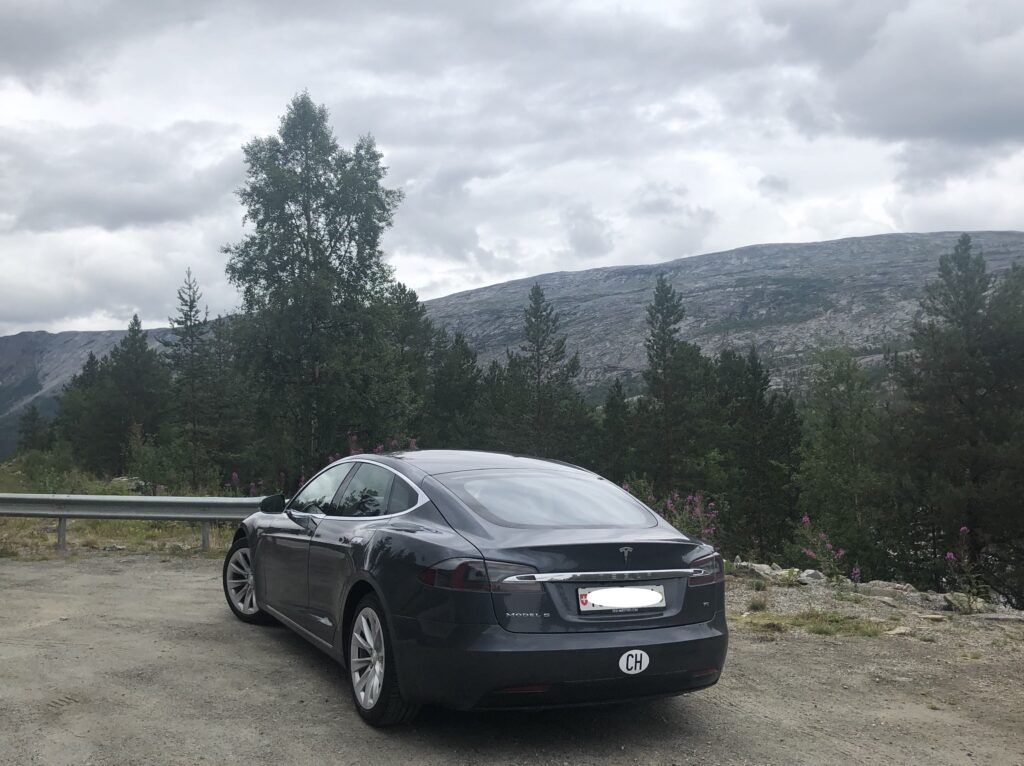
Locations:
{"points": [[478, 580]]}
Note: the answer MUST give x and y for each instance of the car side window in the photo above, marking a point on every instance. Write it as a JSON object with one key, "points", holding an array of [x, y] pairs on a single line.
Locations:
{"points": [[318, 495], [367, 493], [403, 497]]}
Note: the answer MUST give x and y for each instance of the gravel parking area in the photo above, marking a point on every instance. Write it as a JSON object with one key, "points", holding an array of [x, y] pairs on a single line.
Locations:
{"points": [[136, 660]]}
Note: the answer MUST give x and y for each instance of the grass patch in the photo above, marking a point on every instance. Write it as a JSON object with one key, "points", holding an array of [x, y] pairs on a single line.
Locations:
{"points": [[758, 603], [819, 623], [760, 585], [853, 598], [38, 537]]}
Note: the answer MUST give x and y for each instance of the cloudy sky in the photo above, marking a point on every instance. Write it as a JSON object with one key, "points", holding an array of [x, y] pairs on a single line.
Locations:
{"points": [[528, 136]]}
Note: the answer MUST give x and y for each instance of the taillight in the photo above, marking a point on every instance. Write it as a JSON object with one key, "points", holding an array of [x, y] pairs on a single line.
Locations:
{"points": [[713, 570], [475, 574]]}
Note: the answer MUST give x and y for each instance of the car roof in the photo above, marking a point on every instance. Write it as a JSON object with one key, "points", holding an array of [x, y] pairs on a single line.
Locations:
{"points": [[438, 461]]}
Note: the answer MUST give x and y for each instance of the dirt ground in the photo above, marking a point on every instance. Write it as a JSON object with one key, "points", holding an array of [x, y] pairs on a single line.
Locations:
{"points": [[114, 659]]}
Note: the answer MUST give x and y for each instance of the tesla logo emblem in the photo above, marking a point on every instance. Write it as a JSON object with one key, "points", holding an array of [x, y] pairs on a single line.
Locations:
{"points": [[625, 551]]}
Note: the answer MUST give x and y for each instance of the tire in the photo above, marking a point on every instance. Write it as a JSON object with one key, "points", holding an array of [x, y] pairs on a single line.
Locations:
{"points": [[371, 668], [239, 589]]}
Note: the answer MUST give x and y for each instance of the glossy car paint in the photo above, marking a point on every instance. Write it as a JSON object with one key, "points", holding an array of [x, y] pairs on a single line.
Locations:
{"points": [[476, 648]]}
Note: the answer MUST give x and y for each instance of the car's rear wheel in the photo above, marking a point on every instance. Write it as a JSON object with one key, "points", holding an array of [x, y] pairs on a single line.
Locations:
{"points": [[371, 667], [239, 585]]}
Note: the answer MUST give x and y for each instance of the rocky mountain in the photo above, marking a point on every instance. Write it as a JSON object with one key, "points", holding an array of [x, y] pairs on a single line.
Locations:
{"points": [[784, 299], [34, 366]]}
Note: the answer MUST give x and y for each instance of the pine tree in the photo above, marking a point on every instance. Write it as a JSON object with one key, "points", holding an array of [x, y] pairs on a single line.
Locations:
{"points": [[34, 432], [841, 481], [759, 441], [617, 434], [963, 386], [190, 359], [454, 389], [543, 367]]}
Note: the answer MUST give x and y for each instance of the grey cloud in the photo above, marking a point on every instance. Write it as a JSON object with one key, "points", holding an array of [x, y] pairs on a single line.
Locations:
{"points": [[111, 176], [773, 186], [926, 165], [659, 200], [39, 39], [588, 235]]}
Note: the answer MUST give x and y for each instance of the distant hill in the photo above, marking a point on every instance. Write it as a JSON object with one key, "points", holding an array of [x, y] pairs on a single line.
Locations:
{"points": [[34, 366], [785, 299]]}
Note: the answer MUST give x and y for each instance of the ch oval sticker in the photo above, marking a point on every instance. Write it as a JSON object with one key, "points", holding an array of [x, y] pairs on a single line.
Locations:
{"points": [[634, 661]]}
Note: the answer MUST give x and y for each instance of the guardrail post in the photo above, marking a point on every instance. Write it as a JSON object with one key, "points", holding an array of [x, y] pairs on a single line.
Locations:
{"points": [[204, 536], [62, 534]]}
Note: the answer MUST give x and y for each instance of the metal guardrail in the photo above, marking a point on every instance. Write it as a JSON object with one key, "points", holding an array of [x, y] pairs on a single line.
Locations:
{"points": [[64, 507]]}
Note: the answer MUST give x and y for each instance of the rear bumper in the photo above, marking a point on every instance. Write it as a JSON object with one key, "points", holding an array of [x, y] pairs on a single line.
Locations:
{"points": [[486, 666]]}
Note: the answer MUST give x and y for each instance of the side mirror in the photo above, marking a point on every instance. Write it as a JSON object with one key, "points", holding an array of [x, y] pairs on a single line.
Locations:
{"points": [[272, 504]]}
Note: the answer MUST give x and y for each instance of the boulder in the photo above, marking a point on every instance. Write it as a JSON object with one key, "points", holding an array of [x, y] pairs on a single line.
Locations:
{"points": [[887, 601], [811, 577], [899, 630], [965, 604], [776, 567], [750, 569]]}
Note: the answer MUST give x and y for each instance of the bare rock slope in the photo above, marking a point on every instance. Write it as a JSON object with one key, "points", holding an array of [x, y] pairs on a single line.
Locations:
{"points": [[784, 299]]}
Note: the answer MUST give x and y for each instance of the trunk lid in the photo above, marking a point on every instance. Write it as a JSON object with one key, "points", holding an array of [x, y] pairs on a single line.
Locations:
{"points": [[641, 558]]}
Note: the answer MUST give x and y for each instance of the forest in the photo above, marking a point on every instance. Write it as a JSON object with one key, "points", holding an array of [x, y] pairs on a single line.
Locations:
{"points": [[914, 475]]}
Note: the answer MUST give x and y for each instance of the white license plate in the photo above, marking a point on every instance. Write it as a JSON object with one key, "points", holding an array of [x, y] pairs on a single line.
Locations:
{"points": [[621, 598]]}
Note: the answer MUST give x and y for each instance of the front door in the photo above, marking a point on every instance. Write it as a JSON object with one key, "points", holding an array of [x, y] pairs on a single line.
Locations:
{"points": [[282, 552]]}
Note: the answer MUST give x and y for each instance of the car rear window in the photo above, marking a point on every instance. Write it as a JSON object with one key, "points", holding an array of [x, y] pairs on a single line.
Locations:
{"points": [[528, 498]]}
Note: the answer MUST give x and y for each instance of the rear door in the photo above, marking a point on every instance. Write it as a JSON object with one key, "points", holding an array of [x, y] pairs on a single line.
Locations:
{"points": [[362, 507], [580, 533]]}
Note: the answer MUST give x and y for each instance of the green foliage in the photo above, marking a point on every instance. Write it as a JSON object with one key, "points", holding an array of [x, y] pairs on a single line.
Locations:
{"points": [[964, 416], [321, 314], [529, 404], [842, 484], [34, 432], [102, 404], [190, 357], [451, 415], [758, 439]]}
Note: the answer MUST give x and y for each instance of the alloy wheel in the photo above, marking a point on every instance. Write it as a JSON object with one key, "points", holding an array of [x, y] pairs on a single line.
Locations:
{"points": [[366, 658], [240, 585]]}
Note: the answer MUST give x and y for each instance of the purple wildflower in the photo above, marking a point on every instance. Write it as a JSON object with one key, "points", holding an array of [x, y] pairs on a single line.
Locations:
{"points": [[964, 530], [805, 520], [855, 574], [950, 556]]}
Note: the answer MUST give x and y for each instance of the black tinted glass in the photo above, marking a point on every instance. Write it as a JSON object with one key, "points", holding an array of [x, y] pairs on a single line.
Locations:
{"points": [[403, 497], [367, 493], [523, 498], [317, 495]]}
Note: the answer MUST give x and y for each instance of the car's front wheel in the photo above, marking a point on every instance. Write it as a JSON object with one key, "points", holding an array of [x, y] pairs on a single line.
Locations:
{"points": [[239, 585], [371, 667]]}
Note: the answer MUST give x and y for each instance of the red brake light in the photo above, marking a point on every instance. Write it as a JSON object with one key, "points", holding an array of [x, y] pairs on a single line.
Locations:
{"points": [[713, 570], [475, 574]]}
